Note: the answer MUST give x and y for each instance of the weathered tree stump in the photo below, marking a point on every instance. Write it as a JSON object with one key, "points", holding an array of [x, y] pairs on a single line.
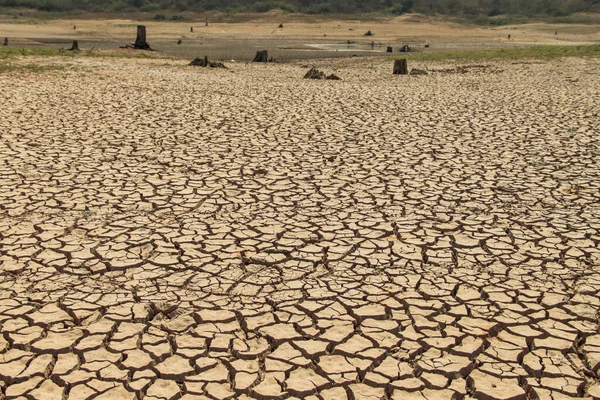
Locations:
{"points": [[405, 49], [74, 46], [314, 73], [199, 62], [509, 37], [369, 33], [179, 41], [140, 40], [418, 72], [389, 49], [401, 67], [191, 29], [206, 23], [280, 25], [5, 41], [261, 56], [426, 46]]}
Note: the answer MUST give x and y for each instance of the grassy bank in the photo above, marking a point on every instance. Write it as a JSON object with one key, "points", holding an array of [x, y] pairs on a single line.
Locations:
{"points": [[16, 52], [16, 59], [545, 52]]}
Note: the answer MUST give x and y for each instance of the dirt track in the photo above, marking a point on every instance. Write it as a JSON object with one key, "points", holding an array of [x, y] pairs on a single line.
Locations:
{"points": [[168, 230]]}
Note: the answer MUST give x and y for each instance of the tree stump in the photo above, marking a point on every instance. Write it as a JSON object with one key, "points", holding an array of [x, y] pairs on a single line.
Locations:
{"points": [[206, 23], [405, 49], [401, 67], [390, 49], [191, 29], [74, 46], [314, 73], [418, 72], [5, 41], [369, 33], [261, 56], [199, 62], [140, 40], [179, 41], [280, 25]]}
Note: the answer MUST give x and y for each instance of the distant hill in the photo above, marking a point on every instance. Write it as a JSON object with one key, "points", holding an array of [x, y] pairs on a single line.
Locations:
{"points": [[487, 8]]}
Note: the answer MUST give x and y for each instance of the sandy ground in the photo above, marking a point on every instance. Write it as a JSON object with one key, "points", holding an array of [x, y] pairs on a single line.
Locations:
{"points": [[172, 231], [297, 40]]}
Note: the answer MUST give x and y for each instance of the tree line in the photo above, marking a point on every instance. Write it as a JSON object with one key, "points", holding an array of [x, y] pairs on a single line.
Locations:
{"points": [[488, 8]]}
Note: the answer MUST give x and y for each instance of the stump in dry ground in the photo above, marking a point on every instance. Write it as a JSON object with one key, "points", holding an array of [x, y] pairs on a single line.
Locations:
{"points": [[5, 41], [426, 46], [314, 73], [191, 29], [369, 33], [416, 72], [140, 40], [401, 67], [281, 25], [179, 41], [206, 23], [390, 49], [405, 49], [199, 62], [261, 56], [74, 46]]}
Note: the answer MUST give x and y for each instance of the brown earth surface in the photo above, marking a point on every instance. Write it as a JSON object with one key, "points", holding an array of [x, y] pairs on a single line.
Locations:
{"points": [[175, 232], [299, 39]]}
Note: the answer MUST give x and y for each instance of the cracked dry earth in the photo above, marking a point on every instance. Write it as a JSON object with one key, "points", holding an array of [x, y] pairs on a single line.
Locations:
{"points": [[169, 232]]}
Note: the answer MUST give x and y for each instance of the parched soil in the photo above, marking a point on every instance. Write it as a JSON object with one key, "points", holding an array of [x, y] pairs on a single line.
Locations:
{"points": [[175, 232]]}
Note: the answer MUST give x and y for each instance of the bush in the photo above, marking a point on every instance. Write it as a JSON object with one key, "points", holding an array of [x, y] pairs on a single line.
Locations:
{"points": [[150, 7], [160, 17], [55, 5]]}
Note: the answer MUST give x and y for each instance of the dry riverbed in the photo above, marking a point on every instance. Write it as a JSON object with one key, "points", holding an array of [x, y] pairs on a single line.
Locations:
{"points": [[178, 232]]}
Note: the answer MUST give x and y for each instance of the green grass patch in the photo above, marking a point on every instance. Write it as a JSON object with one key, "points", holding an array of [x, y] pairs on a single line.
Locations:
{"points": [[23, 21], [545, 52], [512, 19], [7, 66], [15, 52]]}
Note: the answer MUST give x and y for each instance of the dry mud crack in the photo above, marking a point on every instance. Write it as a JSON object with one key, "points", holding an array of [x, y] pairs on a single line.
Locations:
{"points": [[172, 233]]}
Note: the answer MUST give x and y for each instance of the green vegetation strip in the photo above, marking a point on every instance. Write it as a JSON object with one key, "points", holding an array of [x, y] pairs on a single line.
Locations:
{"points": [[35, 68], [546, 52], [15, 52]]}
